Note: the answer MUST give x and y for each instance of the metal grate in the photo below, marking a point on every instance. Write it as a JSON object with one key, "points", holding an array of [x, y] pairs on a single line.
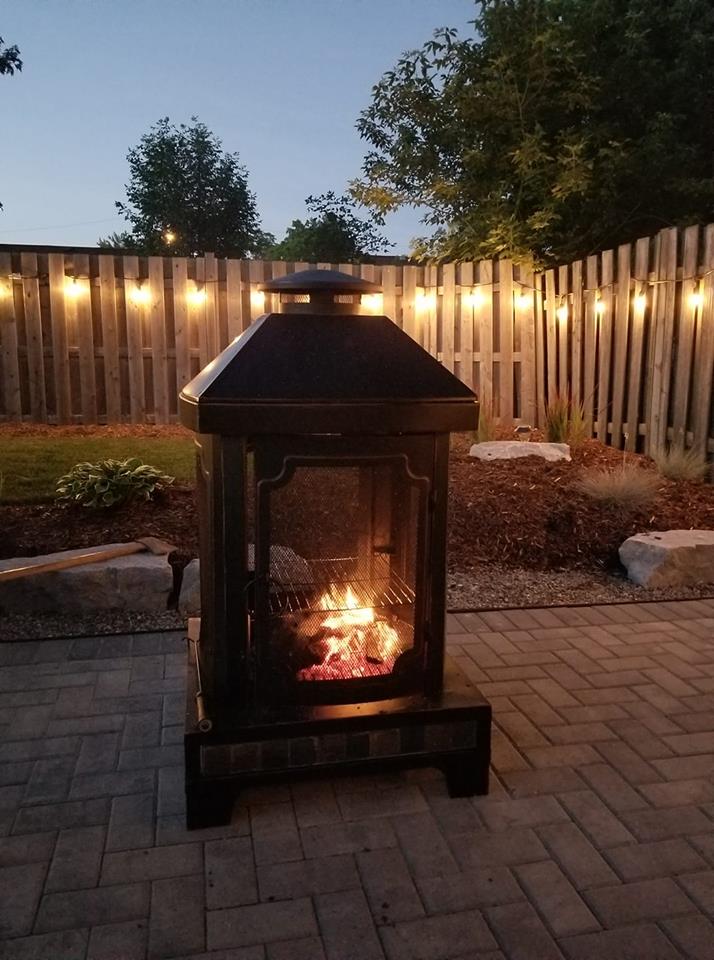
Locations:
{"points": [[300, 587]]}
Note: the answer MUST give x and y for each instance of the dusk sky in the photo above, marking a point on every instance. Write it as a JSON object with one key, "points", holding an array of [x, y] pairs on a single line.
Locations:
{"points": [[280, 81]]}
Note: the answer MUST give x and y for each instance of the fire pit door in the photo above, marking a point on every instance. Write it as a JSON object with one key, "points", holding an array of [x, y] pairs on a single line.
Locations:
{"points": [[340, 586]]}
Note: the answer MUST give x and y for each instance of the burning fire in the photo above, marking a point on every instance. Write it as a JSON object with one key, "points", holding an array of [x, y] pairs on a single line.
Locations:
{"points": [[356, 641]]}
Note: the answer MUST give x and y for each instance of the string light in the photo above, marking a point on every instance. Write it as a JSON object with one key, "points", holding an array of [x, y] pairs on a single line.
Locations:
{"points": [[196, 297], [169, 236], [72, 289], [257, 299], [140, 294], [600, 307], [425, 301], [695, 299], [523, 300], [5, 290], [562, 313], [372, 301], [640, 301], [475, 298]]}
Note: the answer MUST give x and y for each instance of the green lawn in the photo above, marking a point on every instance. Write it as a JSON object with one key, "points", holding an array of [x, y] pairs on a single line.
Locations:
{"points": [[30, 466]]}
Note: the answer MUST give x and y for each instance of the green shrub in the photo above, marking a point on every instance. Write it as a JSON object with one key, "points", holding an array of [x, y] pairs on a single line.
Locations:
{"points": [[565, 421], [109, 483], [628, 486], [557, 419], [578, 431], [678, 464]]}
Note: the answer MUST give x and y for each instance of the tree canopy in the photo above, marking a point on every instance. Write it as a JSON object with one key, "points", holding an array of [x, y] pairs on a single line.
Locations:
{"points": [[334, 234], [561, 127], [187, 196]]}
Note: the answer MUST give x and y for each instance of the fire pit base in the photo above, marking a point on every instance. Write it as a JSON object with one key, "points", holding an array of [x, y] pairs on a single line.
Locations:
{"points": [[451, 731]]}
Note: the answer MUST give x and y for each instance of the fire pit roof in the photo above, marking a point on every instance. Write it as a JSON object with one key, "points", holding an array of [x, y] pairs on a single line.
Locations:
{"points": [[307, 281], [325, 373]]}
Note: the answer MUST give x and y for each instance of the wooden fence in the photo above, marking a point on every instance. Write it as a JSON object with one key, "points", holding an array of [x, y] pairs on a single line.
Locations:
{"points": [[104, 339]]}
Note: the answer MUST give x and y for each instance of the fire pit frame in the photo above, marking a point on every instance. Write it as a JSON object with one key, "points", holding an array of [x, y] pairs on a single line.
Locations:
{"points": [[360, 389]]}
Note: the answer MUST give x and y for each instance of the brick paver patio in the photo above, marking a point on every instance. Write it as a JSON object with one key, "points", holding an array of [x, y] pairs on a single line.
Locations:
{"points": [[597, 840]]}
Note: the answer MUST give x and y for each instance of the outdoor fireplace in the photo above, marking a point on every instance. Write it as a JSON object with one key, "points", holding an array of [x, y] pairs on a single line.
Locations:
{"points": [[322, 436]]}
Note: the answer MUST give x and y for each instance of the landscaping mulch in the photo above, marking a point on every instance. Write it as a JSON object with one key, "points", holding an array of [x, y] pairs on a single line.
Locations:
{"points": [[523, 513], [528, 513], [520, 533]]}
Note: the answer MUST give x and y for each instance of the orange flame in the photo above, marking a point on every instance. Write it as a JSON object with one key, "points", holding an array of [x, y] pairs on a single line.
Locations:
{"points": [[358, 643]]}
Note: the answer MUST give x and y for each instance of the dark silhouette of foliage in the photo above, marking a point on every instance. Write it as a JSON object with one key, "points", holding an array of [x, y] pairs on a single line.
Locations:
{"points": [[560, 128], [334, 234], [9, 62], [187, 196]]}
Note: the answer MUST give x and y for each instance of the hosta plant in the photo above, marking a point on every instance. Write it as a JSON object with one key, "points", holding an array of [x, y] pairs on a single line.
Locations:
{"points": [[109, 483]]}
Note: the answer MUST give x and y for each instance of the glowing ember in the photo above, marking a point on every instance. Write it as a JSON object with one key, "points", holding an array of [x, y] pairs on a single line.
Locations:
{"points": [[355, 641]]}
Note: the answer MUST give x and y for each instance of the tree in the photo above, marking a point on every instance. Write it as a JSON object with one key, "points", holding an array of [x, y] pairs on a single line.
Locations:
{"points": [[9, 59], [187, 196], [335, 234], [9, 62], [561, 127]]}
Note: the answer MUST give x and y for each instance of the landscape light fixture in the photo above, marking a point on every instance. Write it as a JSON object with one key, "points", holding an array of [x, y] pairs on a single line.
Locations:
{"points": [[373, 302], [424, 300], [140, 294], [197, 296], [72, 289], [474, 299]]}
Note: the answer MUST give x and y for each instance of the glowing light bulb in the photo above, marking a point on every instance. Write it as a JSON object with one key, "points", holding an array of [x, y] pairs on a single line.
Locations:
{"points": [[140, 294], [640, 301], [425, 301], [600, 307], [562, 313], [257, 299], [5, 290], [196, 297], [169, 236], [695, 299], [72, 289], [523, 300], [474, 299], [372, 301]]}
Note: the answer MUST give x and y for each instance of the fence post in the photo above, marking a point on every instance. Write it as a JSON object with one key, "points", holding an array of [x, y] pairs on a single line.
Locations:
{"points": [[662, 336], [704, 362]]}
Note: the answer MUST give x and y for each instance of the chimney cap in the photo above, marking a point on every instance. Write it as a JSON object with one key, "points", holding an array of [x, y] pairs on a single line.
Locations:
{"points": [[320, 281]]}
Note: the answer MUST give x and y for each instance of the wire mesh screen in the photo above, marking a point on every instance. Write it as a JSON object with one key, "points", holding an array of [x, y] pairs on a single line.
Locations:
{"points": [[342, 576]]}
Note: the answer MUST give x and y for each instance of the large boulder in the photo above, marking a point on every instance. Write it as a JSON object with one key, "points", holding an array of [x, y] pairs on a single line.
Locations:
{"points": [[515, 449], [670, 558], [138, 582]]}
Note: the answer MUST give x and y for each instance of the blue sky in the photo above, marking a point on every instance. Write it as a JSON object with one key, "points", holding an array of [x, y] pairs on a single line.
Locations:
{"points": [[280, 81]]}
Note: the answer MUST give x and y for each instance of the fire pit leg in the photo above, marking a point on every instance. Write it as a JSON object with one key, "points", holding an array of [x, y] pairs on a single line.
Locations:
{"points": [[208, 805], [467, 774]]}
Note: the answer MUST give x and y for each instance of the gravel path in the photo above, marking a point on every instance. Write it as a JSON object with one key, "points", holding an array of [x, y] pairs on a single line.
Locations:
{"points": [[492, 586], [486, 587]]}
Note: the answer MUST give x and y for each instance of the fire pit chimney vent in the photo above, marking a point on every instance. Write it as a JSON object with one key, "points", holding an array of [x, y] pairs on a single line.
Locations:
{"points": [[326, 291]]}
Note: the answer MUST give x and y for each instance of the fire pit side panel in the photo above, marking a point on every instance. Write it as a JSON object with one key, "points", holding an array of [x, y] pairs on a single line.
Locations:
{"points": [[224, 643]]}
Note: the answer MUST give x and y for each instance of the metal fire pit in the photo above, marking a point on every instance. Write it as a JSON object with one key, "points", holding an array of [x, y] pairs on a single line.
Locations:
{"points": [[323, 439]]}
